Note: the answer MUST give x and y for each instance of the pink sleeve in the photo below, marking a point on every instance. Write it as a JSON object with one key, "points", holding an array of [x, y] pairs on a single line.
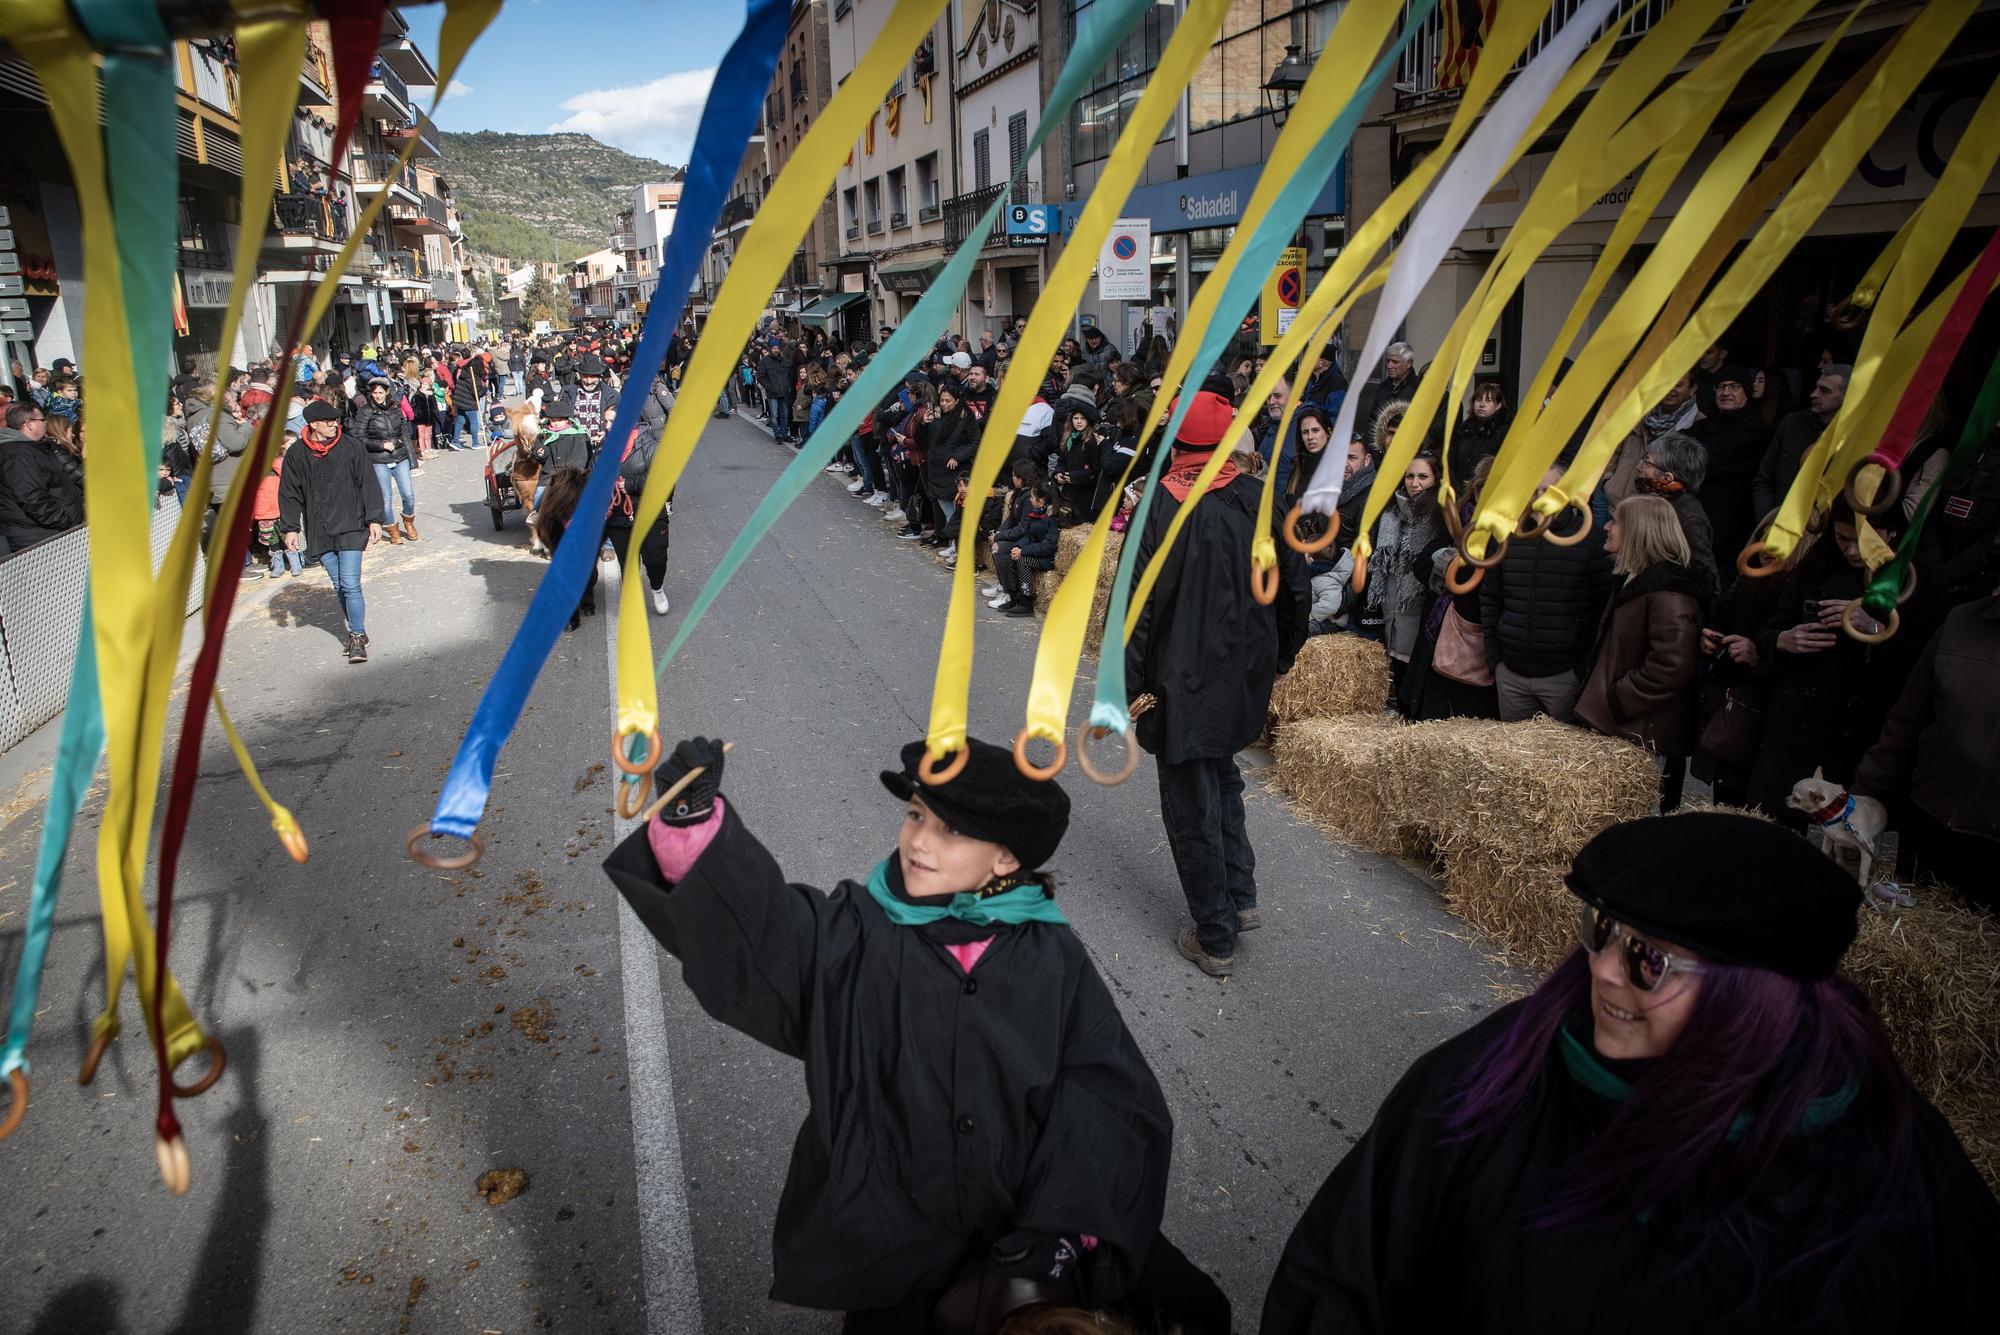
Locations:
{"points": [[675, 847]]}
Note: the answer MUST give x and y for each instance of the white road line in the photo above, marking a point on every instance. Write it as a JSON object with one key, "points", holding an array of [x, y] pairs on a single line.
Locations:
{"points": [[666, 1237]]}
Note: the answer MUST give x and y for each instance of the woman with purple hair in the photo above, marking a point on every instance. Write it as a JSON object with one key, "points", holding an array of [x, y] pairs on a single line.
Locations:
{"points": [[1691, 1125]]}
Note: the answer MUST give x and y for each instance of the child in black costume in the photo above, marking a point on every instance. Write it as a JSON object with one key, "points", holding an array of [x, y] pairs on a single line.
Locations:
{"points": [[981, 1120]]}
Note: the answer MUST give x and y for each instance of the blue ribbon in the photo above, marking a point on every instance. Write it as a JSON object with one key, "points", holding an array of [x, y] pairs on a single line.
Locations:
{"points": [[1103, 28], [727, 119], [1273, 234]]}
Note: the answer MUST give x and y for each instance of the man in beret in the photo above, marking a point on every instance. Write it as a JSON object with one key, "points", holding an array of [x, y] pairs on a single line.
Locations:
{"points": [[328, 507]]}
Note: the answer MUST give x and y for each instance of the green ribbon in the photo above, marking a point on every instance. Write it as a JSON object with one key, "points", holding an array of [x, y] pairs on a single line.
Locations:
{"points": [[1024, 903], [1587, 1071], [1885, 587]]}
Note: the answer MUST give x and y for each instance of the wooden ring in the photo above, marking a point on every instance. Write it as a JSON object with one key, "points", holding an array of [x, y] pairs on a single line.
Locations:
{"points": [[294, 840], [1534, 527], [641, 767], [1457, 583], [928, 772], [1548, 534], [1263, 582], [18, 1079], [1748, 565], [475, 850], [175, 1171], [1909, 584], [1085, 734], [1887, 497], [98, 1043], [1870, 637], [1317, 545], [1487, 562], [640, 788], [217, 1060], [1033, 771]]}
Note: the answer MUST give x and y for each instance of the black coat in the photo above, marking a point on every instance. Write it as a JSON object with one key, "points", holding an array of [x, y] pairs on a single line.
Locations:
{"points": [[383, 431], [1736, 443], [38, 497], [332, 498], [1417, 1230], [464, 388], [774, 373], [946, 437], [1541, 605], [1203, 645], [945, 1108], [1789, 443], [564, 449]]}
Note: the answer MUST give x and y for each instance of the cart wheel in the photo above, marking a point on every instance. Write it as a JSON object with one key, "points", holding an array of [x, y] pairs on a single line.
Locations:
{"points": [[499, 518]]}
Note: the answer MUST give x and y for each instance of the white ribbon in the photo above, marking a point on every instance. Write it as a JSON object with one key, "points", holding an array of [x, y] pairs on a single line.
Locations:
{"points": [[1458, 191]]}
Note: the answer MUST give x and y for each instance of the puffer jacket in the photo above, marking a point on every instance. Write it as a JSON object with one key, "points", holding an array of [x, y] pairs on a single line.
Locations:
{"points": [[383, 432], [38, 498], [1540, 606], [1035, 533]]}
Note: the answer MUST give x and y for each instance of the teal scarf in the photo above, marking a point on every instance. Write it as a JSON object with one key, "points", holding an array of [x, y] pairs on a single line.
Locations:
{"points": [[1023, 903], [1587, 1071]]}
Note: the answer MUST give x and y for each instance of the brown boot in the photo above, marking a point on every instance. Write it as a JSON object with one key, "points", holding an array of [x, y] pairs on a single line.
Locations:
{"points": [[410, 527], [393, 534]]}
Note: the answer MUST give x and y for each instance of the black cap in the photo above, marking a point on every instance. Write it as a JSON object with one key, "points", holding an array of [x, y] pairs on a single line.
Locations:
{"points": [[592, 364], [1733, 889], [1736, 375], [990, 799], [319, 410], [559, 406]]}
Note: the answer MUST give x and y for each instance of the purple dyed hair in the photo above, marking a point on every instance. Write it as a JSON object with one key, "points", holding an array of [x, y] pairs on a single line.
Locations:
{"points": [[1757, 1050]]}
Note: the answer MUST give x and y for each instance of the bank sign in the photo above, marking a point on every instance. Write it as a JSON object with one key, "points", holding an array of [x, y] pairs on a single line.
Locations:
{"points": [[1217, 199]]}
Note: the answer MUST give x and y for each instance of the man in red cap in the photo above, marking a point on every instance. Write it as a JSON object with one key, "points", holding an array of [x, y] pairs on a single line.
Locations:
{"points": [[1209, 653]]}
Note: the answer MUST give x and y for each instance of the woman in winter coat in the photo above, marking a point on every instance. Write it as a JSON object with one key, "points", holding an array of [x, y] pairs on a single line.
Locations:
{"points": [[1693, 1124], [176, 452], [950, 437], [1735, 436], [1641, 685], [632, 473], [1075, 463], [378, 423], [1411, 532], [1480, 431], [1426, 691], [424, 411]]}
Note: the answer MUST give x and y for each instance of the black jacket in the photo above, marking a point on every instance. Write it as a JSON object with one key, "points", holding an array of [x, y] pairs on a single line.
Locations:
{"points": [[1203, 645], [945, 1108], [774, 374], [1417, 1229], [38, 497], [464, 387], [947, 436], [1541, 605], [383, 431], [1736, 443], [331, 498], [564, 449], [1789, 443], [1964, 530]]}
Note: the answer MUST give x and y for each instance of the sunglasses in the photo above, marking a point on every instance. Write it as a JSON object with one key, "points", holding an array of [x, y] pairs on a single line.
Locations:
{"points": [[1647, 966]]}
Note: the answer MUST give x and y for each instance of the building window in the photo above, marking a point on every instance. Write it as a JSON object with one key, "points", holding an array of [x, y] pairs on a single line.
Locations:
{"points": [[928, 204], [899, 198], [872, 192], [982, 160], [851, 199], [1017, 148]]}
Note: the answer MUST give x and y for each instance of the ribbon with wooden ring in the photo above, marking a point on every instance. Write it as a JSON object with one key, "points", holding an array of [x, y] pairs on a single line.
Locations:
{"points": [[1032, 770], [1085, 734], [1886, 631], [678, 787], [1548, 533], [645, 766], [100, 1041], [475, 849], [1317, 545], [632, 795], [1888, 488], [218, 1058], [1264, 578], [929, 773], [1454, 578], [17, 1080]]}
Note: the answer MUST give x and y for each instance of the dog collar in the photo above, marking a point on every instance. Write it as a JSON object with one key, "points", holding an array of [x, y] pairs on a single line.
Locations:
{"points": [[1837, 810]]}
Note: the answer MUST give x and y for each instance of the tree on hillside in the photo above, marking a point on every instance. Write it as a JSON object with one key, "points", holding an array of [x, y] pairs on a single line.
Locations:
{"points": [[539, 302]]}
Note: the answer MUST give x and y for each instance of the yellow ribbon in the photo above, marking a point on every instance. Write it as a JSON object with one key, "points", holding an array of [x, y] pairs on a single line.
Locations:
{"points": [[1917, 48], [1542, 435], [767, 249], [1332, 83]]}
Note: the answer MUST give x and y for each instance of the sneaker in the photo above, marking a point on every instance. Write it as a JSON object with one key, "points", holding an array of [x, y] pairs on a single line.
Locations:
{"points": [[1215, 966], [998, 602], [357, 648], [1020, 607], [608, 554], [992, 591], [252, 573], [833, 468], [894, 515], [878, 500], [1248, 920], [909, 533], [950, 553], [659, 602], [854, 488]]}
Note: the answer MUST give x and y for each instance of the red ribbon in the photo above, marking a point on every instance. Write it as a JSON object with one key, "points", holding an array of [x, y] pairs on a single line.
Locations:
{"points": [[1923, 387]]}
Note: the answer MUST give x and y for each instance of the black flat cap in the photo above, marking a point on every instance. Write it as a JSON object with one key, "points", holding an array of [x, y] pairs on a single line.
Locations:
{"points": [[990, 799], [1733, 889], [559, 406], [319, 410]]}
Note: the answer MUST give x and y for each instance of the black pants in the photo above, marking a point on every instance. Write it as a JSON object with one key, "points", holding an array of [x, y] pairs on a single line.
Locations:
{"points": [[652, 552], [1930, 850], [1170, 1294], [1201, 802]]}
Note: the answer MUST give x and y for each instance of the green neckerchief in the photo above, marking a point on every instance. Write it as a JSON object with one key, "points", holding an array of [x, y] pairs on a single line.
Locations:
{"points": [[1027, 902], [1587, 1071]]}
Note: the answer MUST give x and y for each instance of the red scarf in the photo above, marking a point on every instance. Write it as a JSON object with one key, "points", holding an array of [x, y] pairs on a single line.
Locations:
{"points": [[319, 450], [1187, 466]]}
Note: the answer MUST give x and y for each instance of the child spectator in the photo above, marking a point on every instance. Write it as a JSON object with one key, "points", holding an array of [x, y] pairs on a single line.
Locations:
{"points": [[1026, 545], [264, 516]]}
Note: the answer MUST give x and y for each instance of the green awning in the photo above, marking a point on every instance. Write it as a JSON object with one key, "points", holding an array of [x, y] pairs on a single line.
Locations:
{"points": [[910, 275], [821, 312]]}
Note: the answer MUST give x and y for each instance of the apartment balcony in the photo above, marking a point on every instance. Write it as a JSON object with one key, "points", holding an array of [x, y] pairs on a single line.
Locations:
{"points": [[448, 288], [622, 241], [375, 172], [738, 212], [316, 78], [419, 127], [403, 57], [212, 68], [963, 212], [306, 222], [426, 218], [386, 95]]}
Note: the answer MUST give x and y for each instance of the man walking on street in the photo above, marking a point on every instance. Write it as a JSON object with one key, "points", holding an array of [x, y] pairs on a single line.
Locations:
{"points": [[327, 489], [774, 373], [1209, 653]]}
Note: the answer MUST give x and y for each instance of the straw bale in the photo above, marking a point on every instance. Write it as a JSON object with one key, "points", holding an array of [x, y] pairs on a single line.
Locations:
{"points": [[1974, 1113], [1068, 547], [1329, 767], [1522, 906], [1932, 972], [1334, 675]]}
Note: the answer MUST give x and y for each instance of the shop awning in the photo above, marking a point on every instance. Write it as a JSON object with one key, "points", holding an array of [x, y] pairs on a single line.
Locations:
{"points": [[821, 312], [909, 276]]}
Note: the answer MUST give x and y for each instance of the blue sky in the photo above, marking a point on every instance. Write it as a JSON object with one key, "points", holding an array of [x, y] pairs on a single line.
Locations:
{"points": [[633, 73]]}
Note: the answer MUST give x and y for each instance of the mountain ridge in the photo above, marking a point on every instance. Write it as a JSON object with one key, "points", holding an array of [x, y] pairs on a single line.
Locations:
{"points": [[540, 196]]}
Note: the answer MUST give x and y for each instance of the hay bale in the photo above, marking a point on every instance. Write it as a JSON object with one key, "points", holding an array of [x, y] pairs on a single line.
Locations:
{"points": [[1334, 675], [1974, 1114], [1329, 768], [1932, 972], [1523, 907], [1068, 547]]}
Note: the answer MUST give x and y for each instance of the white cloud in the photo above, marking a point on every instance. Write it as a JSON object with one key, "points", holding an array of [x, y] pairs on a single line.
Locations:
{"points": [[656, 119], [456, 88]]}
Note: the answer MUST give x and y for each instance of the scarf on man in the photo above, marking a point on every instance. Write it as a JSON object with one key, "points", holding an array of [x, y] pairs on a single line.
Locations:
{"points": [[316, 447], [1186, 468]]}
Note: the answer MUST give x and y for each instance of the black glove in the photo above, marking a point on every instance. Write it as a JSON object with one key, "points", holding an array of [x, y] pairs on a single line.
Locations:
{"points": [[1044, 1258], [696, 802]]}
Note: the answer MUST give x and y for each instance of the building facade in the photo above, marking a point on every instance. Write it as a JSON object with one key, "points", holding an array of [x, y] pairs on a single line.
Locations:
{"points": [[997, 86]]}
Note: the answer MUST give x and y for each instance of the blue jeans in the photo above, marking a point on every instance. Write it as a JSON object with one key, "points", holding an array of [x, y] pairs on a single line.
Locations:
{"points": [[781, 418], [465, 426], [516, 381], [344, 569], [1201, 803], [282, 559], [400, 472], [864, 465]]}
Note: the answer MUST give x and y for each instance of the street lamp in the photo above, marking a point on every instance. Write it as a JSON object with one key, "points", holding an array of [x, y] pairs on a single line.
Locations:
{"points": [[1281, 90]]}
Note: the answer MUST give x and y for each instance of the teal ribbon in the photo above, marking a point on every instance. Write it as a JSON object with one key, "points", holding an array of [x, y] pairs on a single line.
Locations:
{"points": [[1279, 225], [1024, 903], [1104, 27], [144, 165], [1587, 1071]]}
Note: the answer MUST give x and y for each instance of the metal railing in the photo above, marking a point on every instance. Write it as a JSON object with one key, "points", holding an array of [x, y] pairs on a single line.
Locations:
{"points": [[962, 212], [1417, 75], [381, 169], [309, 215], [738, 210], [392, 82]]}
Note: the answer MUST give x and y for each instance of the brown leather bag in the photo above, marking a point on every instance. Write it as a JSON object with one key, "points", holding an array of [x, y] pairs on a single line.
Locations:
{"points": [[1461, 651]]}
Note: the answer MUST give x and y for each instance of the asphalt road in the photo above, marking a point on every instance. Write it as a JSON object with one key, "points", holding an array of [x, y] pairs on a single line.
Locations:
{"points": [[395, 1033]]}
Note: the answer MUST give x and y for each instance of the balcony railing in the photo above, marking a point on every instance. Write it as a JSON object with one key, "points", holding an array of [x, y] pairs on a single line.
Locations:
{"points": [[392, 82], [1417, 76], [624, 241], [404, 264], [309, 215], [854, 231], [739, 210], [962, 212], [381, 169], [446, 287]]}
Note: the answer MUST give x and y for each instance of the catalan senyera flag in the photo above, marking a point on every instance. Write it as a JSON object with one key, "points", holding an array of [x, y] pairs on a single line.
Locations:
{"points": [[868, 136], [180, 309], [1466, 23], [893, 117]]}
